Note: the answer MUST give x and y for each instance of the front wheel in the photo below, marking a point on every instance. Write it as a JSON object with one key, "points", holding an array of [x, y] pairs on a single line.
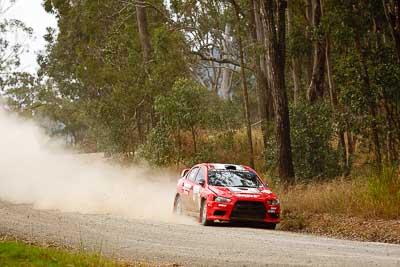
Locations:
{"points": [[203, 215]]}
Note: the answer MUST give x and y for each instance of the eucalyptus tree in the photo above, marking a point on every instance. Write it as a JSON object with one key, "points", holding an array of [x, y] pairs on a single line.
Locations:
{"points": [[392, 14], [112, 64], [274, 25], [214, 34], [208, 27], [11, 47]]}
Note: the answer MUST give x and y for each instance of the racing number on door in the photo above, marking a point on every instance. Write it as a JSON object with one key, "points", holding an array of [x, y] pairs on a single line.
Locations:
{"points": [[188, 189], [196, 199]]}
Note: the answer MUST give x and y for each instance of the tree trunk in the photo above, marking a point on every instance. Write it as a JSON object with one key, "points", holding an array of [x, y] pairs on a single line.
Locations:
{"points": [[316, 87], [390, 139], [392, 14], [245, 91], [308, 13], [332, 87], [294, 60], [139, 126], [193, 131], [144, 34], [226, 72], [246, 105], [343, 148], [260, 71], [281, 21], [372, 109], [334, 101], [276, 57], [179, 145]]}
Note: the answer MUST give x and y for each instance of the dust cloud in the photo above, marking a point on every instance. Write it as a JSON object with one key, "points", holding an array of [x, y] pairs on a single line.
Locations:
{"points": [[34, 169]]}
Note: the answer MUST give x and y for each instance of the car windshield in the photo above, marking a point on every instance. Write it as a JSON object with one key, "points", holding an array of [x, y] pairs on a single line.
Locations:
{"points": [[233, 178]]}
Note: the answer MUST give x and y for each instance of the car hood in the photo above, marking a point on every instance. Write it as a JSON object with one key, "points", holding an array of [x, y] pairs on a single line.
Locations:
{"points": [[242, 192]]}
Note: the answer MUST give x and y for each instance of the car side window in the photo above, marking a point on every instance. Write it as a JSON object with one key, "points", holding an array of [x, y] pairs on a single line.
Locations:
{"points": [[200, 176], [192, 175]]}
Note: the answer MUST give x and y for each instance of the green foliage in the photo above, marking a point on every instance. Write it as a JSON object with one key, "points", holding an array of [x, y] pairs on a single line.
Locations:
{"points": [[10, 51], [312, 133], [160, 148], [95, 64], [92, 81], [11, 48], [298, 45], [186, 107], [21, 94], [195, 126], [382, 94], [354, 95]]}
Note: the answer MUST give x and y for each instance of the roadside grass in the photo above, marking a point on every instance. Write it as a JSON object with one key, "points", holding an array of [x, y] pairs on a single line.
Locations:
{"points": [[368, 196], [13, 253], [371, 196]]}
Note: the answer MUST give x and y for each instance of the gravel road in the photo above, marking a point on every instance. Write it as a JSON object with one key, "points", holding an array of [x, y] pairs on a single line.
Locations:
{"points": [[188, 244]]}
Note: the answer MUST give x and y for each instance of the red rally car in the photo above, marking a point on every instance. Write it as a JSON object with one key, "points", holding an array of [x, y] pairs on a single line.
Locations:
{"points": [[226, 192]]}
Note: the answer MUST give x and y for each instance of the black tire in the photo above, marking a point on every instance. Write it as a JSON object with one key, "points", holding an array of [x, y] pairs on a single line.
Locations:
{"points": [[203, 215], [178, 206], [270, 226]]}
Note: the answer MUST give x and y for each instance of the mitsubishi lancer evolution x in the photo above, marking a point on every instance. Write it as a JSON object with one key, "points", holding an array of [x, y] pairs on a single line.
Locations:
{"points": [[226, 193]]}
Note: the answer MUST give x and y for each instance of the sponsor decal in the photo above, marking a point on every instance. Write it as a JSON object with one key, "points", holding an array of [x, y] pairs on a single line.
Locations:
{"points": [[196, 189], [266, 191], [219, 166], [196, 193], [244, 190], [248, 195]]}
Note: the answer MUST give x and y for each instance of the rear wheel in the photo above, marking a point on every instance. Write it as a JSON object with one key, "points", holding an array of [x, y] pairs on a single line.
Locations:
{"points": [[203, 215], [178, 205]]}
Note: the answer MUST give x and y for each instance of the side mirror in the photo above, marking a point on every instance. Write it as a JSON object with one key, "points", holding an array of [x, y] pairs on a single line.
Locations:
{"points": [[184, 172], [202, 183]]}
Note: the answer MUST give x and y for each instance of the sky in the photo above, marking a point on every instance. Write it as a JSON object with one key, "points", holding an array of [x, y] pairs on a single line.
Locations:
{"points": [[32, 13]]}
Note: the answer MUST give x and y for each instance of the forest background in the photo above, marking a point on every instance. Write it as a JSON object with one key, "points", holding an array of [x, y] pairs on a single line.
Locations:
{"points": [[305, 91]]}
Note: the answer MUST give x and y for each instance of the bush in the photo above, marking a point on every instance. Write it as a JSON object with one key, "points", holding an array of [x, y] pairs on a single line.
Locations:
{"points": [[195, 126], [159, 149], [312, 133]]}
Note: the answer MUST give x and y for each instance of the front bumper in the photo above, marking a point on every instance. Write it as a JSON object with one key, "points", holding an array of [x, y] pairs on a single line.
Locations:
{"points": [[224, 211]]}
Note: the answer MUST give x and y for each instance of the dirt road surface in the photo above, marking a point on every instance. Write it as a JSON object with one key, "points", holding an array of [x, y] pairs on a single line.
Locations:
{"points": [[188, 244]]}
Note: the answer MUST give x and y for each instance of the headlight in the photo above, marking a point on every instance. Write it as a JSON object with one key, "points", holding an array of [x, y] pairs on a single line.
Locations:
{"points": [[273, 201], [222, 199]]}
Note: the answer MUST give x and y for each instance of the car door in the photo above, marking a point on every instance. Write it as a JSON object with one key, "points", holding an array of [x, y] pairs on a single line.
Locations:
{"points": [[188, 189], [197, 188]]}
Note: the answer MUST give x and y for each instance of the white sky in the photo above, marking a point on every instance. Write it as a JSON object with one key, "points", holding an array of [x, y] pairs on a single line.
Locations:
{"points": [[32, 13]]}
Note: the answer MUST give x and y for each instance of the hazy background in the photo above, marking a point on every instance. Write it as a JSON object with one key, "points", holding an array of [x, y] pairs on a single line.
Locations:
{"points": [[36, 170]]}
